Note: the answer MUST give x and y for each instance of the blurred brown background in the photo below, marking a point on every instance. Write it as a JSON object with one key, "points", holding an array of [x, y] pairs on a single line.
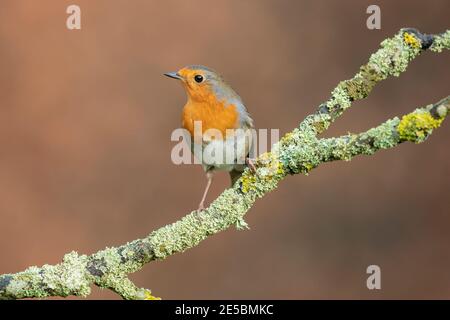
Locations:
{"points": [[85, 124]]}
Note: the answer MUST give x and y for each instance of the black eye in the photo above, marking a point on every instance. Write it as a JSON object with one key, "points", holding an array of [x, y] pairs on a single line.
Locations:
{"points": [[198, 78]]}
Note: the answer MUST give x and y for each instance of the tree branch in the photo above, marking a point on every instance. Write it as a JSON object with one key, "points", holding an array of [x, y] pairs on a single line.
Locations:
{"points": [[414, 127], [297, 152]]}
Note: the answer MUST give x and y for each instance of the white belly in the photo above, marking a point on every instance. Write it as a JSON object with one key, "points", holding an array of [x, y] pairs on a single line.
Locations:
{"points": [[225, 154]]}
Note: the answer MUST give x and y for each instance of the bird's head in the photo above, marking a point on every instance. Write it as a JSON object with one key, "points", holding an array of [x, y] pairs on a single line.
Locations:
{"points": [[200, 82]]}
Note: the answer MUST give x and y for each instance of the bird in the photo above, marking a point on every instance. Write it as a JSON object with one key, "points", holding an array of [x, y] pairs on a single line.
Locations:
{"points": [[213, 104]]}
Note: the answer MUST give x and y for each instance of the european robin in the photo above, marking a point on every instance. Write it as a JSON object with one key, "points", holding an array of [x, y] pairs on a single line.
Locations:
{"points": [[213, 104]]}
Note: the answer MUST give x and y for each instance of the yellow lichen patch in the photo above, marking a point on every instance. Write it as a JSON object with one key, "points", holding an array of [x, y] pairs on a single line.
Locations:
{"points": [[417, 126], [411, 40], [286, 139], [247, 181], [270, 168], [270, 161], [280, 169], [308, 167], [148, 296]]}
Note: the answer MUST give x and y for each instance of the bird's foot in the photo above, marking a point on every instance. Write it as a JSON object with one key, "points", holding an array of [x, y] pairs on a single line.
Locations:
{"points": [[201, 207], [249, 162]]}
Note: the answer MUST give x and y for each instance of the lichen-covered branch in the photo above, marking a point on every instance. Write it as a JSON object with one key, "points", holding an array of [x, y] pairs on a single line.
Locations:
{"points": [[297, 152], [414, 127]]}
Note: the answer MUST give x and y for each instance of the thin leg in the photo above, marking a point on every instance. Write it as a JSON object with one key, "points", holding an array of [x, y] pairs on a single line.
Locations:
{"points": [[209, 177], [250, 164]]}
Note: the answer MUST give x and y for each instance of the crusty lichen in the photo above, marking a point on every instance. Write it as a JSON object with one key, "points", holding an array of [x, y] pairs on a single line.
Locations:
{"points": [[69, 277], [64, 279], [442, 111], [340, 100], [417, 126], [145, 294], [247, 180], [228, 209], [269, 172], [300, 153], [121, 285], [411, 40], [367, 143], [394, 56], [441, 42], [148, 296], [390, 60]]}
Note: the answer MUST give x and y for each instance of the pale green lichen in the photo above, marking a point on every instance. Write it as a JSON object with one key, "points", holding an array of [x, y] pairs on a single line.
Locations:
{"points": [[442, 111], [390, 60], [145, 294], [384, 135], [64, 279], [241, 224], [346, 147], [18, 288], [69, 277], [441, 42], [111, 267], [417, 126], [111, 257], [339, 148], [301, 155], [226, 210], [122, 285], [393, 57], [340, 99]]}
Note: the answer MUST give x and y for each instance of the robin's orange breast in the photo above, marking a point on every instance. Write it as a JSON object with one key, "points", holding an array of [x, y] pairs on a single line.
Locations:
{"points": [[212, 113]]}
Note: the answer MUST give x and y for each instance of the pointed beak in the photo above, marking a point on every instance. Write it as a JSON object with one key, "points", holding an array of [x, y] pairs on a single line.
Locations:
{"points": [[173, 75]]}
